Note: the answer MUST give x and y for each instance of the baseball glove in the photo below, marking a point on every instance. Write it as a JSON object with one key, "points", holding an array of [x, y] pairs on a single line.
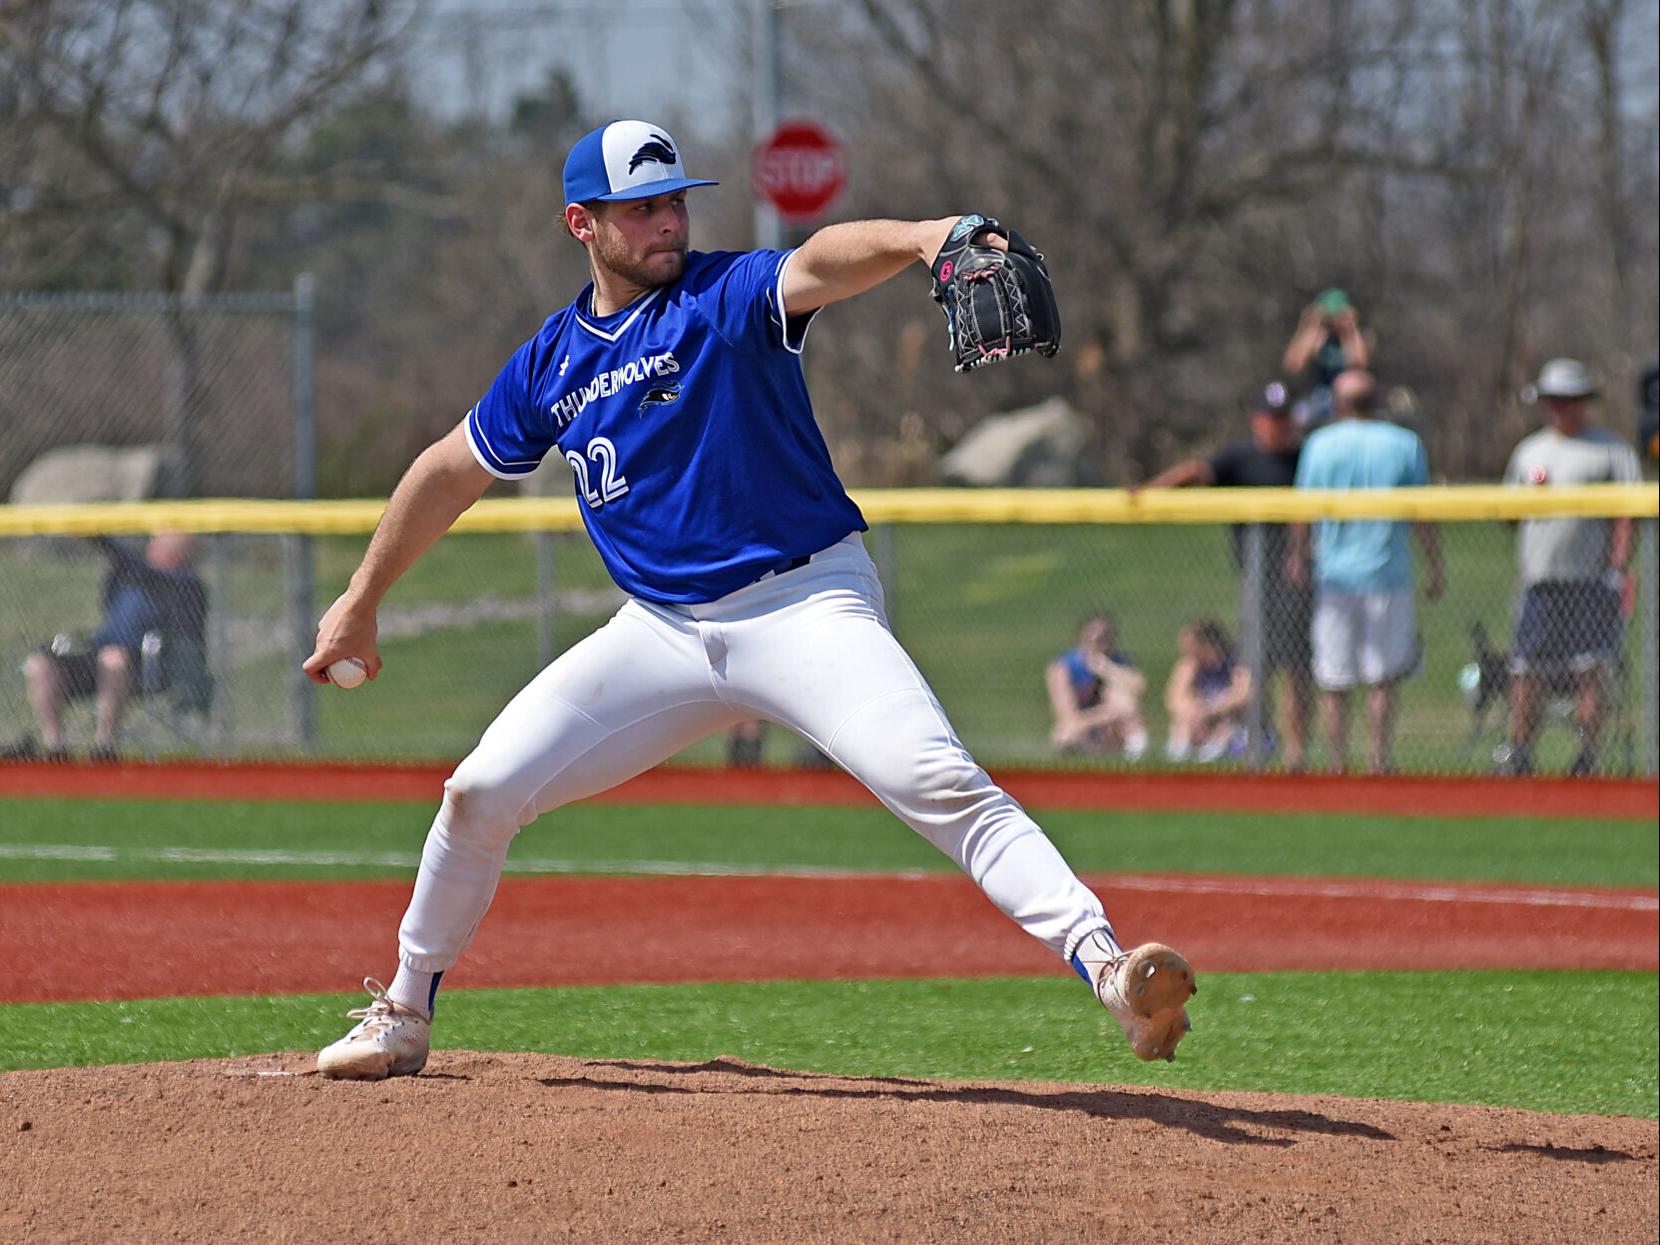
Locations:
{"points": [[997, 304]]}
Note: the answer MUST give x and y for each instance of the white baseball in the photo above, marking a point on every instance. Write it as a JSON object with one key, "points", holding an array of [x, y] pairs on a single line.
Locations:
{"points": [[348, 672]]}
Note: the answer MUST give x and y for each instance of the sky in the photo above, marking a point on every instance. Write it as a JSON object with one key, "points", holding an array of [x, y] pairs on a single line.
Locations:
{"points": [[653, 58]]}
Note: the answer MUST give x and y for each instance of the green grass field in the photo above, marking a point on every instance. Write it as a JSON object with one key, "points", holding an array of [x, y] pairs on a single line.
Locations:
{"points": [[1546, 1041], [160, 839], [982, 608], [1500, 1039]]}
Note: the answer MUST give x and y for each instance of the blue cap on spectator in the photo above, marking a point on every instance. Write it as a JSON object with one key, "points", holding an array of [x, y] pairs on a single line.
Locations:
{"points": [[1275, 399], [625, 160]]}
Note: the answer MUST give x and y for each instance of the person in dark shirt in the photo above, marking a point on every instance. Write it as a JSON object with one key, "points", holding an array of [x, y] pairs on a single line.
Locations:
{"points": [[1268, 459], [157, 592]]}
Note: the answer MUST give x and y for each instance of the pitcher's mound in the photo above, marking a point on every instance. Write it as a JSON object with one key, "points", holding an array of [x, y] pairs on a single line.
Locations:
{"points": [[533, 1147]]}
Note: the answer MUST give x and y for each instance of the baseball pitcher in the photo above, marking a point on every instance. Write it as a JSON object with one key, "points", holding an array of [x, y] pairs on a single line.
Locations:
{"points": [[672, 385]]}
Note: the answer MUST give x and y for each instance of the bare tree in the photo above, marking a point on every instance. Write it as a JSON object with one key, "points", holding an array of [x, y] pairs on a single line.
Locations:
{"points": [[167, 119], [176, 110], [1197, 168], [1480, 174], [1154, 147]]}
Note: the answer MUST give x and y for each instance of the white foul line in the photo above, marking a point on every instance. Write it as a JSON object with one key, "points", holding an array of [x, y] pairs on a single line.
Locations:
{"points": [[1423, 892], [406, 860], [1286, 888]]}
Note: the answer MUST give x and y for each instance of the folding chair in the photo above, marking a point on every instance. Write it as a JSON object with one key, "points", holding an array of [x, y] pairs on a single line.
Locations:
{"points": [[176, 688]]}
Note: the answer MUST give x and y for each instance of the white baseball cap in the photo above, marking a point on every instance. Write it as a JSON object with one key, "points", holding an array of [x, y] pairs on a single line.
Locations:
{"points": [[1564, 378]]}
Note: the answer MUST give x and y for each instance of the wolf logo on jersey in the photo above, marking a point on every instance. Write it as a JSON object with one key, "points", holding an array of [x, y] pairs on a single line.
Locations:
{"points": [[660, 395]]}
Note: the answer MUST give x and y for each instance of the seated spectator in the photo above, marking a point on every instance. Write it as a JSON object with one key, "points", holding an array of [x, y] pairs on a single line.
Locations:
{"points": [[1095, 691], [1267, 460], [1328, 341], [158, 592], [1207, 696]]}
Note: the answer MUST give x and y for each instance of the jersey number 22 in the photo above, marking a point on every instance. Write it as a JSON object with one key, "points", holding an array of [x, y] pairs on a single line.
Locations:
{"points": [[612, 485]]}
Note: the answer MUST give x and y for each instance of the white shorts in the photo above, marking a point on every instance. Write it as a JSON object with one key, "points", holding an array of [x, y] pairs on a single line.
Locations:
{"points": [[1362, 639]]}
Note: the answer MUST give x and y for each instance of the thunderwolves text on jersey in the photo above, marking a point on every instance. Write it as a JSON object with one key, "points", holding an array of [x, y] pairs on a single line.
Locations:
{"points": [[692, 487], [569, 406]]}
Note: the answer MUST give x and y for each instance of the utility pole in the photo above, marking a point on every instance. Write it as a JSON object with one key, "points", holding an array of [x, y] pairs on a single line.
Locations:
{"points": [[297, 547], [763, 27]]}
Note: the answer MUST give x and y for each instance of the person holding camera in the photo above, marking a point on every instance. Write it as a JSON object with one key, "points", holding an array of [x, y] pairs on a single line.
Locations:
{"points": [[1328, 342]]}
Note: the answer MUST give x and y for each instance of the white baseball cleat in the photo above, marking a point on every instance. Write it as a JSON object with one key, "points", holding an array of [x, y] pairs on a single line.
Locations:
{"points": [[1144, 990], [388, 1040]]}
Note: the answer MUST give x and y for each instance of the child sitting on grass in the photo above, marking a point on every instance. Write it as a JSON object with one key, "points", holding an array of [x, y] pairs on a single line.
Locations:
{"points": [[1207, 696]]}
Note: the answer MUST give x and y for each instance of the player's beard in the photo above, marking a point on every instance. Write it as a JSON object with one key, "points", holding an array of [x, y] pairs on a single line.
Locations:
{"points": [[659, 267]]}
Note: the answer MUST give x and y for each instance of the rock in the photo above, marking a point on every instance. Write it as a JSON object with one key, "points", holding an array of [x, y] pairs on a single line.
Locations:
{"points": [[84, 473], [1042, 446]]}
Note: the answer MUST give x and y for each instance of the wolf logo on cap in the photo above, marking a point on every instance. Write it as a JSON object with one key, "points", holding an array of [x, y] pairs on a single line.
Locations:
{"points": [[659, 149]]}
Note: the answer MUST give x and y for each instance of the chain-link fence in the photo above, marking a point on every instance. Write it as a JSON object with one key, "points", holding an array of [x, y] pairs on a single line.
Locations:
{"points": [[1214, 654], [156, 395], [992, 611]]}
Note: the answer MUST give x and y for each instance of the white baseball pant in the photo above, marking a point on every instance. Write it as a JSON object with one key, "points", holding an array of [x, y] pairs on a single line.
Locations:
{"points": [[809, 649]]}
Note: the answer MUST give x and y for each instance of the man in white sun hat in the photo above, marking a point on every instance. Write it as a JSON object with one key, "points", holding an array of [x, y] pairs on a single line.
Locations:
{"points": [[673, 386], [1573, 570]]}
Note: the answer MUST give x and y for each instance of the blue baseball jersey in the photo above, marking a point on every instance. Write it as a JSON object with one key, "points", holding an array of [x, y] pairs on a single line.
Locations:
{"points": [[685, 419]]}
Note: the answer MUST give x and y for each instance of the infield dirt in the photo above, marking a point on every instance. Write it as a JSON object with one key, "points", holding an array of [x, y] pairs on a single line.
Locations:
{"points": [[534, 1147]]}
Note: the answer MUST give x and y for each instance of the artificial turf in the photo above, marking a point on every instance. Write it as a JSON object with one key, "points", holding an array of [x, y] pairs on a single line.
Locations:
{"points": [[1566, 1042], [1519, 1039], [61, 840]]}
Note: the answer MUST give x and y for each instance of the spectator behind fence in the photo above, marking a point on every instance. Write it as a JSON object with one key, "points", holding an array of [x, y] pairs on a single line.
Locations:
{"points": [[1365, 631], [158, 592], [745, 743], [1207, 695], [1095, 692], [1328, 341], [1267, 460], [1573, 570]]}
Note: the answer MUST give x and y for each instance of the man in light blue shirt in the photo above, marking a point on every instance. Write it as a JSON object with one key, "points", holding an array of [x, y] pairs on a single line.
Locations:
{"points": [[1365, 630]]}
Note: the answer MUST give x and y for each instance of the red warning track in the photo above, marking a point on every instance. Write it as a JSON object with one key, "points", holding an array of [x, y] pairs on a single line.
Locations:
{"points": [[1201, 792], [91, 941]]}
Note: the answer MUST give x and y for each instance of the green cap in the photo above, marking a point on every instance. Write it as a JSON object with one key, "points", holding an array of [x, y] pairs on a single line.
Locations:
{"points": [[1333, 301]]}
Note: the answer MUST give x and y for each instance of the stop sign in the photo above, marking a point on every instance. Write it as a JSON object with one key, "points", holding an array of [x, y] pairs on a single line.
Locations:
{"points": [[799, 169]]}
